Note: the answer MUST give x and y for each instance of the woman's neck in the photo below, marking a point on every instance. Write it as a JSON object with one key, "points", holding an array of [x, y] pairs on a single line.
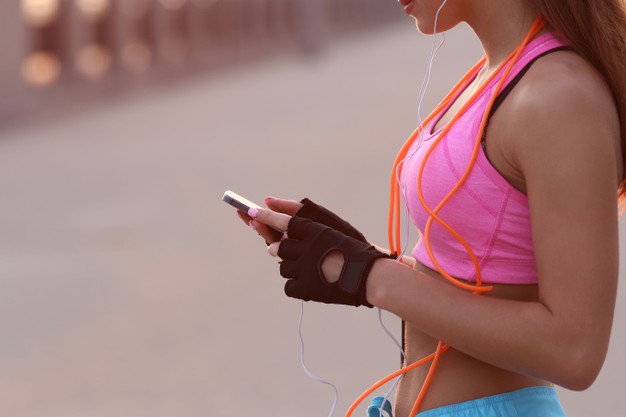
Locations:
{"points": [[501, 26]]}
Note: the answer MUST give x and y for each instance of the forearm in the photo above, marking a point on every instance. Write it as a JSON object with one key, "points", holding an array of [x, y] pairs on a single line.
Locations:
{"points": [[523, 337]]}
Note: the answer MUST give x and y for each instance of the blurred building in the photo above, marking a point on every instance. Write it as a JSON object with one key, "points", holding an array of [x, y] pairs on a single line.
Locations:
{"points": [[59, 52]]}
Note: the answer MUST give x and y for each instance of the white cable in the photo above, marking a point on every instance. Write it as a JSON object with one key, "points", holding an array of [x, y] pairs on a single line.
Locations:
{"points": [[422, 93], [399, 345], [395, 341], [306, 371], [420, 139]]}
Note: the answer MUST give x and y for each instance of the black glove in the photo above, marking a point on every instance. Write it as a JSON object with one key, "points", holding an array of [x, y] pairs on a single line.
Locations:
{"points": [[303, 253], [319, 214]]}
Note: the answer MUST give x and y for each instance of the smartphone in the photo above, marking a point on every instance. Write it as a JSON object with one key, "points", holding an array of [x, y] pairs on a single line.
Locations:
{"points": [[242, 204], [238, 202]]}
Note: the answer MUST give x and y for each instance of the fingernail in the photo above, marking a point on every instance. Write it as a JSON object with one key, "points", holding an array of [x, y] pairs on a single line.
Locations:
{"points": [[268, 199], [251, 224], [253, 212]]}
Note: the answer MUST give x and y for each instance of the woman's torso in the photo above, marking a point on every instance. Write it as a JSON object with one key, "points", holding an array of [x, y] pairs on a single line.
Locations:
{"points": [[460, 377]]}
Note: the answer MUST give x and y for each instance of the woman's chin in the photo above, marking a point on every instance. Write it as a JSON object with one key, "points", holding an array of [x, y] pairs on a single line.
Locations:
{"points": [[428, 27], [424, 29]]}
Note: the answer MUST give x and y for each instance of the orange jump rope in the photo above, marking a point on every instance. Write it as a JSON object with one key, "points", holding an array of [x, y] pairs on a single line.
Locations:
{"points": [[394, 203]]}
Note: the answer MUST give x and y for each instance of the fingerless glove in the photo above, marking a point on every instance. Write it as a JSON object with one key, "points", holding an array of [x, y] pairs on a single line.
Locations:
{"points": [[322, 215], [304, 251]]}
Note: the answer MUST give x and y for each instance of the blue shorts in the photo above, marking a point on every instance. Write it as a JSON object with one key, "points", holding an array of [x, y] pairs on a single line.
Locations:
{"points": [[526, 402]]}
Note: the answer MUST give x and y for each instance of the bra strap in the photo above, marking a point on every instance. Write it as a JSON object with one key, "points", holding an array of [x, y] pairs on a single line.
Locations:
{"points": [[507, 90]]}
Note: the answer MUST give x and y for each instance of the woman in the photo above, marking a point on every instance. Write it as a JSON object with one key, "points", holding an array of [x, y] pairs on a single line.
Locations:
{"points": [[536, 215]]}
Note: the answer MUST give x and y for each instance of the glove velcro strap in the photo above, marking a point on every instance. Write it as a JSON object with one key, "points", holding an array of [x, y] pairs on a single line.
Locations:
{"points": [[356, 269]]}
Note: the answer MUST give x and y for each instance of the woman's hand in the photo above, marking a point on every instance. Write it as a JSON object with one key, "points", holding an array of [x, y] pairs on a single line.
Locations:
{"points": [[332, 264], [321, 263], [307, 209], [288, 207]]}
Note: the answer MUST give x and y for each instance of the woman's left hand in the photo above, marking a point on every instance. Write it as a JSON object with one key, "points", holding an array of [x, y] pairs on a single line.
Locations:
{"points": [[322, 264]]}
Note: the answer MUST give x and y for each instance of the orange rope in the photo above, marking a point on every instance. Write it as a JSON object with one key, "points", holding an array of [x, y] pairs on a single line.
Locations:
{"points": [[394, 204], [389, 378], [441, 347]]}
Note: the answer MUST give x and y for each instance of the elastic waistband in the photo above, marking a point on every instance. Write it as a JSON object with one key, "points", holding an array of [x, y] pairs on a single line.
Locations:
{"points": [[524, 394]]}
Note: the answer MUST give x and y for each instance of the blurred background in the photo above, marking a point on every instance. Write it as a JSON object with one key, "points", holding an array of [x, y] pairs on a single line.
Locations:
{"points": [[127, 288]]}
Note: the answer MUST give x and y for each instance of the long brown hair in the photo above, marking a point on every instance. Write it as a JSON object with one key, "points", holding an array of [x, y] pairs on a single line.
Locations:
{"points": [[597, 29]]}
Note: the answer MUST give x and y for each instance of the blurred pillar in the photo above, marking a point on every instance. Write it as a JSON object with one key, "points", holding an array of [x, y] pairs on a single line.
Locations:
{"points": [[137, 43], [47, 58], [255, 24], [200, 35], [173, 32], [96, 41], [226, 24], [311, 23], [13, 43], [280, 18]]}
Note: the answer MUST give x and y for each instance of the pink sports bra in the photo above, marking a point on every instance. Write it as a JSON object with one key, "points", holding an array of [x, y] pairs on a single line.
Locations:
{"points": [[491, 215]]}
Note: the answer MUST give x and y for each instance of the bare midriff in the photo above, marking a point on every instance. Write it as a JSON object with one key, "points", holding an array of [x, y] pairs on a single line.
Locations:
{"points": [[458, 377]]}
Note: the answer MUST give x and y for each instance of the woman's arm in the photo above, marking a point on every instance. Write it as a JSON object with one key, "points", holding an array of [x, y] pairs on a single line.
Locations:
{"points": [[564, 141]]}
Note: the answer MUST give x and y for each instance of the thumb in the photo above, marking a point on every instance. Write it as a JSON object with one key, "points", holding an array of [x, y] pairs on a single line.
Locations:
{"points": [[289, 207]]}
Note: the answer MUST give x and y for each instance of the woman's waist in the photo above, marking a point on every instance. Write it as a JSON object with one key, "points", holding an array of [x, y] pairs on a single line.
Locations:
{"points": [[458, 377]]}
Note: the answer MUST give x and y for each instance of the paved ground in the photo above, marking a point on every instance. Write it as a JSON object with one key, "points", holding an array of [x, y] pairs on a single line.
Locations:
{"points": [[128, 289]]}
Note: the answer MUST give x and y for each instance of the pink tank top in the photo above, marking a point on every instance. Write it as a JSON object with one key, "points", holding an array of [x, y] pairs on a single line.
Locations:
{"points": [[491, 215]]}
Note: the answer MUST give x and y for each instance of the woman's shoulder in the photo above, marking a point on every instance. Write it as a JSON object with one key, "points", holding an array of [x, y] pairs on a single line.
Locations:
{"points": [[565, 85], [562, 102]]}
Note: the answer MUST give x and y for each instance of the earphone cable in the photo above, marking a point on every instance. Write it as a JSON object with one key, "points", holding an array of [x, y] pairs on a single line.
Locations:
{"points": [[306, 370]]}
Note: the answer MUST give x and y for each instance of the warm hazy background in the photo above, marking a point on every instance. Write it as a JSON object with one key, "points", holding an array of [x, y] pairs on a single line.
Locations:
{"points": [[127, 289]]}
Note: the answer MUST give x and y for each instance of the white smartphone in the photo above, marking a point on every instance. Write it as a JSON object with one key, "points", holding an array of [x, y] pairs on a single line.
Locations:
{"points": [[237, 201], [242, 204]]}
